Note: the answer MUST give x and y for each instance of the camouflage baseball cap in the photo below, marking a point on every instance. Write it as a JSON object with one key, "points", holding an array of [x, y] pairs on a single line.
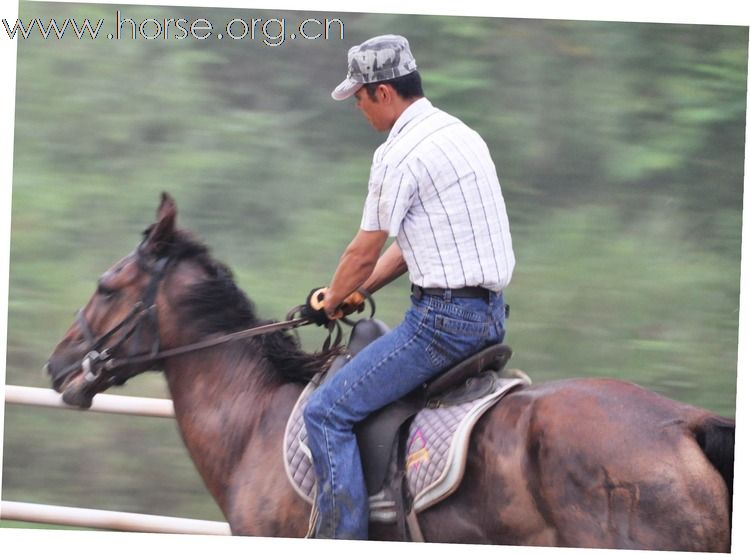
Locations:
{"points": [[377, 59]]}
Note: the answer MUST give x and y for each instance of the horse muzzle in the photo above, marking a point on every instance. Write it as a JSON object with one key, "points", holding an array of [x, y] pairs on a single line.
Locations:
{"points": [[61, 368], [78, 393], [75, 389], [69, 377]]}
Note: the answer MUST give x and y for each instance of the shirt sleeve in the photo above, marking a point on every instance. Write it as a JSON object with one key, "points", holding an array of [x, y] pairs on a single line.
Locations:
{"points": [[390, 193]]}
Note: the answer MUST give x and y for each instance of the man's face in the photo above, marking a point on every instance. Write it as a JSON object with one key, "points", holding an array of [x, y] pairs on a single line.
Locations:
{"points": [[376, 112]]}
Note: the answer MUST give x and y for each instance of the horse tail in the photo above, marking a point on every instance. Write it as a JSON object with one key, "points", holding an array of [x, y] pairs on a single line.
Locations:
{"points": [[715, 436]]}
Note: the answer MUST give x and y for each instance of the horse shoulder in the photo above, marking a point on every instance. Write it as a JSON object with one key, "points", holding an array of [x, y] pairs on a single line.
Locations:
{"points": [[261, 501]]}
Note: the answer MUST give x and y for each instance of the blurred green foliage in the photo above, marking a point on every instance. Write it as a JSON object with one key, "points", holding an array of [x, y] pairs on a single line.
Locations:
{"points": [[619, 147]]}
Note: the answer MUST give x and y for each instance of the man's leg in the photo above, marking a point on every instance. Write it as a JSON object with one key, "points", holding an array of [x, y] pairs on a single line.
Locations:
{"points": [[383, 372]]}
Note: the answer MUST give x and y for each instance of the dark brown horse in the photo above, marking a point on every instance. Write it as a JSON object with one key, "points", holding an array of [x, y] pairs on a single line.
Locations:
{"points": [[586, 463]]}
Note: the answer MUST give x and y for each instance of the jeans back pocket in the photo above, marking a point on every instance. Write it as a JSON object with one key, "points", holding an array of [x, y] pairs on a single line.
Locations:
{"points": [[455, 340]]}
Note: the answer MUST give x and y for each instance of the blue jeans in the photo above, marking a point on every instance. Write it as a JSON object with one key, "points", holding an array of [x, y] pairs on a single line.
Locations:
{"points": [[436, 333]]}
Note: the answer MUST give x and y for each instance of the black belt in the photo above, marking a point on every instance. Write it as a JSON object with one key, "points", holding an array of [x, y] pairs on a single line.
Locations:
{"points": [[465, 292]]}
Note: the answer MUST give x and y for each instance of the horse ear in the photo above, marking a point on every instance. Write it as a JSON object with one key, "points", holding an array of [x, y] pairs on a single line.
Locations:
{"points": [[161, 233], [167, 208]]}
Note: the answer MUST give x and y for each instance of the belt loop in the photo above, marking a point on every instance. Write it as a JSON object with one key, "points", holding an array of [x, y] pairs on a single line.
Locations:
{"points": [[447, 295]]}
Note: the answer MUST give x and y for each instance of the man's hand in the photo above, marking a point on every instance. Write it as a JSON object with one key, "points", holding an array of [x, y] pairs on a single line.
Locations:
{"points": [[313, 309], [316, 308], [355, 302]]}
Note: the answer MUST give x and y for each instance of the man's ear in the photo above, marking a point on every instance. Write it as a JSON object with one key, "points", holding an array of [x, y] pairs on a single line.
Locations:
{"points": [[385, 93]]}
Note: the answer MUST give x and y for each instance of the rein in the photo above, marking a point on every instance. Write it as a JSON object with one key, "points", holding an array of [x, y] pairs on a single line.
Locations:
{"points": [[111, 363], [103, 360]]}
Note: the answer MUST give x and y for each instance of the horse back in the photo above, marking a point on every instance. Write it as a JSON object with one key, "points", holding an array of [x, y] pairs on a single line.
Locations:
{"points": [[618, 416]]}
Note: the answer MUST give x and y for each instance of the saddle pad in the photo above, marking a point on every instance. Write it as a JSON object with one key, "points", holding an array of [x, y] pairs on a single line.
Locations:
{"points": [[437, 444]]}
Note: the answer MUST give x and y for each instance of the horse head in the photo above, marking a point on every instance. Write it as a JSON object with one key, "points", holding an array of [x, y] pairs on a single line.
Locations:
{"points": [[113, 334]]}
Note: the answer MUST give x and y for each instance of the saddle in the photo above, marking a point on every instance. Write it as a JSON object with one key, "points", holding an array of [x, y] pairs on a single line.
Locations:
{"points": [[413, 451]]}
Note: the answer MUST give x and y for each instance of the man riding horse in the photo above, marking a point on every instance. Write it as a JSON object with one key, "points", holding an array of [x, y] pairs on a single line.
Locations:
{"points": [[434, 187]]}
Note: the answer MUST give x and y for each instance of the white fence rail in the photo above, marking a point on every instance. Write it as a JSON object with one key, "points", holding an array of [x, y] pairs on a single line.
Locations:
{"points": [[101, 519], [105, 519], [107, 403]]}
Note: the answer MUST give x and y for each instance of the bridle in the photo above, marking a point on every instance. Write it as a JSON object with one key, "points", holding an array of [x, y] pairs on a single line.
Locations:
{"points": [[101, 359], [98, 359]]}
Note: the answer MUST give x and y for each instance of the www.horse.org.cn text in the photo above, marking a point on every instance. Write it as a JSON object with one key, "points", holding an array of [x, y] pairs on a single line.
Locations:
{"points": [[273, 31]]}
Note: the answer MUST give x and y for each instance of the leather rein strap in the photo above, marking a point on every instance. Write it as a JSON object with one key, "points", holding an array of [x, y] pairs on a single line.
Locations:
{"points": [[97, 361], [113, 363]]}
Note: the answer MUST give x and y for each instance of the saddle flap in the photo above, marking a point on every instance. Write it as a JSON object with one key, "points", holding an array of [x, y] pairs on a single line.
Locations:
{"points": [[493, 357], [377, 436]]}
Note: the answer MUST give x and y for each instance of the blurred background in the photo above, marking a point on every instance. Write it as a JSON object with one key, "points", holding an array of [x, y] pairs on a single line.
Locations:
{"points": [[619, 147]]}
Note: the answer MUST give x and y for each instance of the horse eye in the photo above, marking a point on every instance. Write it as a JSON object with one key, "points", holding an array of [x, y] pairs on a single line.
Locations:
{"points": [[106, 293]]}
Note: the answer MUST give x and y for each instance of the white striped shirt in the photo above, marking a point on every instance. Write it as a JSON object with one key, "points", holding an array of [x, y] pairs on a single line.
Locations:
{"points": [[434, 187]]}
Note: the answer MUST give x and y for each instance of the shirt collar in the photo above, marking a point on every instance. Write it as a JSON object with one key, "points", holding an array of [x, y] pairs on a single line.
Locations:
{"points": [[415, 109]]}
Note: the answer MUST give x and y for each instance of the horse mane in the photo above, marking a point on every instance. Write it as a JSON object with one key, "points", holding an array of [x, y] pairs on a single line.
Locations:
{"points": [[216, 305]]}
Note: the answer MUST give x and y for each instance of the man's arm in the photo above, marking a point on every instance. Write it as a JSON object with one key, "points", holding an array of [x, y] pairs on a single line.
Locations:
{"points": [[390, 266], [357, 264]]}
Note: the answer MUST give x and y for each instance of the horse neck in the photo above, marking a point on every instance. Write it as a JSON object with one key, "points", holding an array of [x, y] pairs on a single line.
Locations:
{"points": [[227, 410]]}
